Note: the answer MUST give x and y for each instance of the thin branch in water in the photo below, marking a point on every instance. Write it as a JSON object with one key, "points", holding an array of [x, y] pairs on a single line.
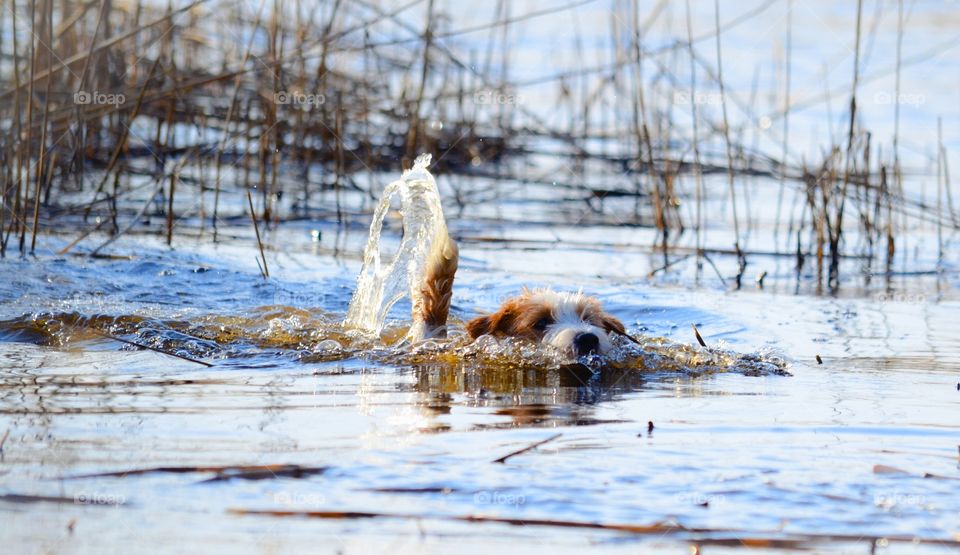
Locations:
{"points": [[699, 337], [530, 447], [150, 348]]}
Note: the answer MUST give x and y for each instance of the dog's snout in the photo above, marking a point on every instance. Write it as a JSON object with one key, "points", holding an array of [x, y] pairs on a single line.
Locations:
{"points": [[586, 343]]}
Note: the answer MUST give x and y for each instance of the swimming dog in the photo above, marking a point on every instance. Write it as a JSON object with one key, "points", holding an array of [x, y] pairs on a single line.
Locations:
{"points": [[573, 323]]}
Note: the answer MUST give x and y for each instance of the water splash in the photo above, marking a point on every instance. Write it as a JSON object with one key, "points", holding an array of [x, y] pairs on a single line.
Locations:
{"points": [[270, 334], [382, 283]]}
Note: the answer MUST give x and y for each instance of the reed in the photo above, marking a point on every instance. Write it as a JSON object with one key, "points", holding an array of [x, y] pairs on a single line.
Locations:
{"points": [[115, 113]]}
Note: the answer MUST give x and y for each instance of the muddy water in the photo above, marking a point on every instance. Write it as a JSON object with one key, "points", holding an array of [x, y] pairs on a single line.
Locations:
{"points": [[738, 451]]}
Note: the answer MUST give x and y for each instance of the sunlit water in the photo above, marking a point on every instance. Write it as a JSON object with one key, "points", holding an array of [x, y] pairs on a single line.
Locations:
{"points": [[384, 280], [737, 447]]}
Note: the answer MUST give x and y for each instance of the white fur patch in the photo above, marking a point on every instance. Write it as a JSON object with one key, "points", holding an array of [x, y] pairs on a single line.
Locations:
{"points": [[567, 323]]}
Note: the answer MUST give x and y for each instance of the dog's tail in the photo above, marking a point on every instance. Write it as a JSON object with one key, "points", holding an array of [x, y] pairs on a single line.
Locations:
{"points": [[430, 311]]}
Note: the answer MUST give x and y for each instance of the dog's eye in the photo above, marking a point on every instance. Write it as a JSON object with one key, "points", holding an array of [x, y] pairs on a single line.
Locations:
{"points": [[542, 323]]}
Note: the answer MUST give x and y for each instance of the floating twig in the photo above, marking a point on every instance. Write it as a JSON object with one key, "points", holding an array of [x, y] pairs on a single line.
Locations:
{"points": [[696, 332], [530, 447], [151, 348], [628, 336], [718, 536], [243, 472], [62, 500]]}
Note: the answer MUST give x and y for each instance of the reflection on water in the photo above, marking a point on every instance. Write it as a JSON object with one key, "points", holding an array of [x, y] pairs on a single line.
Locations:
{"points": [[278, 333], [735, 445]]}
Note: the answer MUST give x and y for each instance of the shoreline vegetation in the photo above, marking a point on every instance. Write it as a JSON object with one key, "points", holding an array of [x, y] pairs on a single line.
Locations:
{"points": [[117, 112]]}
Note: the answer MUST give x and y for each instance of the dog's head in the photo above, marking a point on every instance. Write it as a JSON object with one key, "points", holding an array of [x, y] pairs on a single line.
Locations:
{"points": [[571, 322]]}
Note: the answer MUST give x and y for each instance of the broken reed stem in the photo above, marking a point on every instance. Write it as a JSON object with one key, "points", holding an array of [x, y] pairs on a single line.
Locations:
{"points": [[697, 170], [661, 203], [530, 447], [726, 139], [723, 537], [786, 122], [221, 147], [275, 133], [940, 164], [699, 337], [338, 140], [837, 232], [16, 151], [29, 145], [150, 348], [41, 156], [5, 173], [173, 188], [413, 132], [256, 229], [896, 105]]}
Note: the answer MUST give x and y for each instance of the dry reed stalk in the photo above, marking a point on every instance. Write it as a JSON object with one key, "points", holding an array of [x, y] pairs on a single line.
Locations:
{"points": [[276, 53], [173, 189], [29, 143], [697, 171], [848, 159], [229, 119], [940, 166], [788, 51], [338, 139], [256, 229], [726, 138], [368, 132], [413, 133], [660, 205]]}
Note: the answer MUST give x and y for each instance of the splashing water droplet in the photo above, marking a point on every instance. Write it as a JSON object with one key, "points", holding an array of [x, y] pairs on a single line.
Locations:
{"points": [[381, 284]]}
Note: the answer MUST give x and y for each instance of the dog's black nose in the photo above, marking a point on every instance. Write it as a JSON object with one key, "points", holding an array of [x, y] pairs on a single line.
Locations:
{"points": [[586, 343]]}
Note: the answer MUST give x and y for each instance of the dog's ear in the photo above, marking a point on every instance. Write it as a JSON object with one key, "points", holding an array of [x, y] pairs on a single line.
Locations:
{"points": [[611, 324], [500, 321], [481, 325]]}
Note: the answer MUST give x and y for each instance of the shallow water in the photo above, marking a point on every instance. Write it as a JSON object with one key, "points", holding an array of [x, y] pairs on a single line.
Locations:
{"points": [[732, 455], [856, 453]]}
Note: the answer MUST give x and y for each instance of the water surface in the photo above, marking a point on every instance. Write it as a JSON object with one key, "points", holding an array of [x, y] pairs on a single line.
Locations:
{"points": [[731, 455]]}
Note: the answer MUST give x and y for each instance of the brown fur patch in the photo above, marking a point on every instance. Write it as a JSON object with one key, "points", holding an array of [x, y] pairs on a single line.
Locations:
{"points": [[518, 317], [437, 288]]}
